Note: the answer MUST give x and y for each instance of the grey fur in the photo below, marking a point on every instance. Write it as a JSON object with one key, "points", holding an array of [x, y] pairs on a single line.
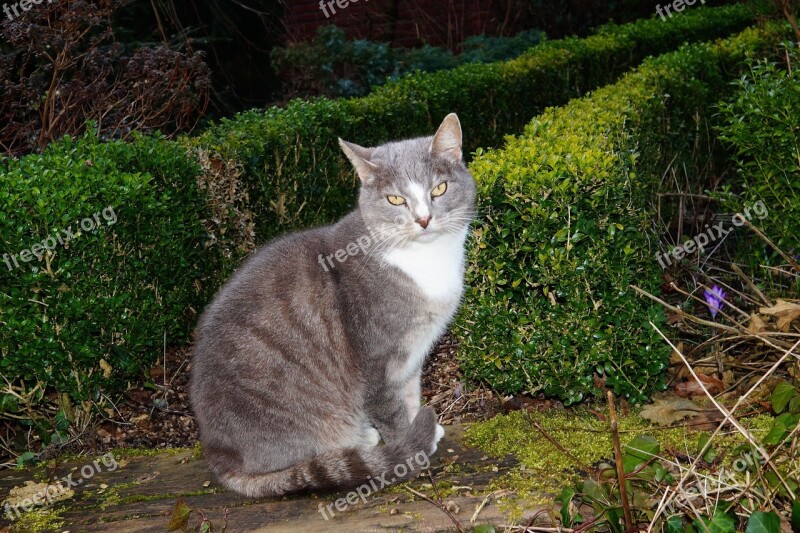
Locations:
{"points": [[296, 362]]}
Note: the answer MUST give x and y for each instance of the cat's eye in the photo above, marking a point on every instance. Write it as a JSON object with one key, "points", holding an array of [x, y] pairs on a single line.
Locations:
{"points": [[439, 189], [396, 200]]}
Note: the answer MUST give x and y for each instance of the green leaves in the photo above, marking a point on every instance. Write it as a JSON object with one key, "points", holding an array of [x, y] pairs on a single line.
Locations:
{"points": [[112, 292], [640, 450], [675, 525], [568, 511], [762, 129], [783, 393], [784, 397], [721, 522], [550, 308], [761, 522]]}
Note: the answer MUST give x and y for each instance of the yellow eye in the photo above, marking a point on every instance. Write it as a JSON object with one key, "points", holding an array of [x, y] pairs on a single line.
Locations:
{"points": [[396, 200], [439, 189]]}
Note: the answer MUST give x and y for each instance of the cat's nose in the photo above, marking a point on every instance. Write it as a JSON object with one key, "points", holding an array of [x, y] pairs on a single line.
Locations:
{"points": [[423, 222]]}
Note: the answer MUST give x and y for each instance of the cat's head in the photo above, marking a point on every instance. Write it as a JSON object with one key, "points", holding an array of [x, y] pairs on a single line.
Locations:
{"points": [[418, 189]]}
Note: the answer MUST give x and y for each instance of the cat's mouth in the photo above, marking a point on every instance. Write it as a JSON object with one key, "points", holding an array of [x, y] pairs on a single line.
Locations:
{"points": [[426, 234]]}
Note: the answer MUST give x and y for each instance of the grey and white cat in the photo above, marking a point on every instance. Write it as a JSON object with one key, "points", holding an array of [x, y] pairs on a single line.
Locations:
{"points": [[303, 363]]}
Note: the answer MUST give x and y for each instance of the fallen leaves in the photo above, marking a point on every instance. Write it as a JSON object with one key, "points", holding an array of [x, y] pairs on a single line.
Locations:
{"points": [[690, 388], [179, 519], [666, 412], [756, 325], [785, 312]]}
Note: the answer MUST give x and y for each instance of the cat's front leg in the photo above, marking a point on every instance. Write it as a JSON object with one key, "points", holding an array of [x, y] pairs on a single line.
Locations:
{"points": [[412, 395]]}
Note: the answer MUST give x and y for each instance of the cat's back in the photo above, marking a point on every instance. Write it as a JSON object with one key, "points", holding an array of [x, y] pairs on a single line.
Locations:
{"points": [[277, 277]]}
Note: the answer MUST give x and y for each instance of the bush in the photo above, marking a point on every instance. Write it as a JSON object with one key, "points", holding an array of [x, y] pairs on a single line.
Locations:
{"points": [[291, 158], [63, 66], [330, 65], [568, 229], [95, 310], [762, 128]]}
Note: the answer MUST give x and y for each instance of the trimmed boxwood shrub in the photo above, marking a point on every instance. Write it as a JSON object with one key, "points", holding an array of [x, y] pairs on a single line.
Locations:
{"points": [[298, 177], [107, 293], [567, 229], [762, 127]]}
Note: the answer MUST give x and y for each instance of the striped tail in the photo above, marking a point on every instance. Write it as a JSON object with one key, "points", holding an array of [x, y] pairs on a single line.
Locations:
{"points": [[347, 468]]}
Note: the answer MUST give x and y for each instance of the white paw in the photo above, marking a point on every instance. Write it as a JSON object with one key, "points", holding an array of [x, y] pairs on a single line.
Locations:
{"points": [[372, 437], [439, 435]]}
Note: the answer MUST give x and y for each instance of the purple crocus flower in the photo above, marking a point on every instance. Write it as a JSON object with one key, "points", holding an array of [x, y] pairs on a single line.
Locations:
{"points": [[715, 299]]}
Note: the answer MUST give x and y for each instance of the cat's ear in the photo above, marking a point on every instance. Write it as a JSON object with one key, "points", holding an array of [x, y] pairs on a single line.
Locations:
{"points": [[447, 141], [360, 158]]}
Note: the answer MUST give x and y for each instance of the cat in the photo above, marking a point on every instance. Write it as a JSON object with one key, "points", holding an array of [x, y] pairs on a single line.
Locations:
{"points": [[310, 354]]}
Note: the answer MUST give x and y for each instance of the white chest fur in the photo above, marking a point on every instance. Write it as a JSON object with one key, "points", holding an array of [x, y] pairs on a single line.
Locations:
{"points": [[437, 268]]}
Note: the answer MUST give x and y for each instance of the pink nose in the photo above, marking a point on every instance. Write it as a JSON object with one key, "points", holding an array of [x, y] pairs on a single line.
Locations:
{"points": [[423, 221]]}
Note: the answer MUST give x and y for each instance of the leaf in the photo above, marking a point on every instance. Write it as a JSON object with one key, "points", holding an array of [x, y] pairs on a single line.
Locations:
{"points": [[25, 458], [784, 311], [702, 440], [638, 451], [180, 516], [776, 434], [593, 491], [720, 523], [107, 369], [796, 515], [484, 528], [781, 396], [761, 522], [693, 388], [756, 325], [667, 412], [675, 524], [566, 499]]}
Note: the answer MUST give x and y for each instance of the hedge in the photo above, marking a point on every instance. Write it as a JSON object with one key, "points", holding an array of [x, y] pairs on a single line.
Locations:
{"points": [[761, 126], [98, 307], [98, 314], [567, 229], [298, 177]]}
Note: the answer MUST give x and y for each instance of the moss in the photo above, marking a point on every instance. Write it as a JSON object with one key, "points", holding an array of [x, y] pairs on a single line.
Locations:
{"points": [[545, 470], [130, 453], [38, 520], [197, 451], [112, 497]]}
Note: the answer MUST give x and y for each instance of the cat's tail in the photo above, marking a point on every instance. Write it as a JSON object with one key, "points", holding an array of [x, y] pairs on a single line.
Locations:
{"points": [[369, 469]]}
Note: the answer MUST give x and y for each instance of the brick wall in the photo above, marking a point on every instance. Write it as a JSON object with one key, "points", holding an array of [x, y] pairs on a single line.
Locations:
{"points": [[401, 22]]}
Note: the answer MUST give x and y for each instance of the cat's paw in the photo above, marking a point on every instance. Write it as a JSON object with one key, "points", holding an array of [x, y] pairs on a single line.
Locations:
{"points": [[372, 437], [437, 437]]}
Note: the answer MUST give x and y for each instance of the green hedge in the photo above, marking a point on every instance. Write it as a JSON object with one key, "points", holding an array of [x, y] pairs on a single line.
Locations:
{"points": [[762, 127], [111, 292], [567, 228], [298, 177]]}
